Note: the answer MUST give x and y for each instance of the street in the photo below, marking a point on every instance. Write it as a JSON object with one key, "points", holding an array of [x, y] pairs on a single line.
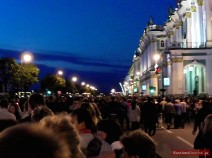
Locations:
{"points": [[171, 140]]}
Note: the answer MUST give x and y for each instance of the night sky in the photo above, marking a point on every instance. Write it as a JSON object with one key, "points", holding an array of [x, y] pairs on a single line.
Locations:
{"points": [[94, 40]]}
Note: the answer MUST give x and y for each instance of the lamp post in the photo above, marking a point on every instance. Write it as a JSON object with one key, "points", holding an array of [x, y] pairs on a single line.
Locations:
{"points": [[74, 80], [162, 74], [156, 58], [26, 58], [159, 70]]}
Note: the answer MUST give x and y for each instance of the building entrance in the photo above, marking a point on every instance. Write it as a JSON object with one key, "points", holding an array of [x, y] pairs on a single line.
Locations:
{"points": [[195, 79]]}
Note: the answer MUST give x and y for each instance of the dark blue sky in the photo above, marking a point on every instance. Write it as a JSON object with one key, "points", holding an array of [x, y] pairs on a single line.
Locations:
{"points": [[93, 39]]}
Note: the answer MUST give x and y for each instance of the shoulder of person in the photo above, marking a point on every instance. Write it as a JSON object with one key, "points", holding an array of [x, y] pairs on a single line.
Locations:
{"points": [[94, 147]]}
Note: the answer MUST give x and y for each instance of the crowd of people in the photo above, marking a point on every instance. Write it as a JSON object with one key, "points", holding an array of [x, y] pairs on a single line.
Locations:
{"points": [[110, 126]]}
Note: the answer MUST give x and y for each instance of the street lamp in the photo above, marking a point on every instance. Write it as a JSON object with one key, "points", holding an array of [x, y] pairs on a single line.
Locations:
{"points": [[26, 57], [83, 83], [113, 90], [159, 70], [138, 73], [74, 79], [156, 58], [60, 72]]}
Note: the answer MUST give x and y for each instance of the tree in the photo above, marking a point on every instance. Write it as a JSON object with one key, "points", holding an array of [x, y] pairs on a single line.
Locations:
{"points": [[73, 87], [53, 83], [16, 76], [25, 75], [7, 73]]}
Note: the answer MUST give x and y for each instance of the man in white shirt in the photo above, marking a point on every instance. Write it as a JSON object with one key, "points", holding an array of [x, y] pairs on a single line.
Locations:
{"points": [[4, 113]]}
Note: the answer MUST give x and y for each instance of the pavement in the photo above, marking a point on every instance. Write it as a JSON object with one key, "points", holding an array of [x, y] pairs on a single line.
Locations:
{"points": [[172, 140]]}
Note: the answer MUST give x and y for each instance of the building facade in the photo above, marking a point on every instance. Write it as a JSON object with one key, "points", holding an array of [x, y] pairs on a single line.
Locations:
{"points": [[175, 59]]}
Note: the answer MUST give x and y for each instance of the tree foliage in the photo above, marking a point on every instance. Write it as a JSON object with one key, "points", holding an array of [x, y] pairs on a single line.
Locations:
{"points": [[53, 82], [25, 75], [6, 72], [14, 76]]}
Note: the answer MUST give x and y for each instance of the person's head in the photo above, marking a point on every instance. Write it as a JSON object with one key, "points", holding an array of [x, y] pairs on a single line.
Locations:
{"points": [[168, 99], [37, 142], [41, 112], [82, 119], [177, 101], [206, 103], [138, 144], [4, 103], [90, 108], [149, 99], [109, 130], [207, 124], [12, 107], [76, 103], [36, 100], [62, 125]]}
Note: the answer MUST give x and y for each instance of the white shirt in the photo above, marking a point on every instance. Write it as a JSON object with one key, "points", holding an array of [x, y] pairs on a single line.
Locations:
{"points": [[134, 115], [6, 115]]}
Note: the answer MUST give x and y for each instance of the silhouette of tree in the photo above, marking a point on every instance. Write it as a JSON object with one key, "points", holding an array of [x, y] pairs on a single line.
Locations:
{"points": [[53, 83]]}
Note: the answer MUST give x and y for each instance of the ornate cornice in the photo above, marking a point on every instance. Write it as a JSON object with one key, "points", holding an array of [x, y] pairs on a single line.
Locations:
{"points": [[177, 26], [188, 14], [170, 33], [193, 9], [153, 40], [177, 59], [169, 63], [200, 2]]}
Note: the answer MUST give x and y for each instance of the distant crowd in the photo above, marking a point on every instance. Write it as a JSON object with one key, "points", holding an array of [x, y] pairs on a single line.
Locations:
{"points": [[101, 127]]}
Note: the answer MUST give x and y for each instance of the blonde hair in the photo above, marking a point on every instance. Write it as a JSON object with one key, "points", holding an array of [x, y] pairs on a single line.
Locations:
{"points": [[62, 125]]}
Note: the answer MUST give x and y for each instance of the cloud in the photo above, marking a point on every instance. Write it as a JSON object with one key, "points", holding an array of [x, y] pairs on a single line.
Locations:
{"points": [[102, 71], [76, 62], [71, 61]]}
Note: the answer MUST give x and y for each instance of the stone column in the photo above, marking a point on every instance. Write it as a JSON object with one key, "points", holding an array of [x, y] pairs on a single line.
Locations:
{"points": [[154, 83], [208, 5], [200, 21], [177, 76], [208, 75], [189, 25], [169, 75]]}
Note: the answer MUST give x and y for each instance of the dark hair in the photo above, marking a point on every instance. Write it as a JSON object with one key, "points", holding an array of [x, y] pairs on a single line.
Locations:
{"points": [[133, 105], [168, 99], [17, 114], [6, 123], [4, 103], [36, 100], [138, 143], [41, 112], [206, 103], [111, 128], [149, 99], [38, 142], [83, 115]]}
